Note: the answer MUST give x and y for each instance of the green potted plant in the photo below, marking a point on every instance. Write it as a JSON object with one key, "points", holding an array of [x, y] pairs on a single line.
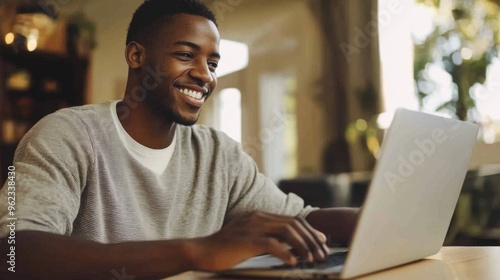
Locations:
{"points": [[464, 41]]}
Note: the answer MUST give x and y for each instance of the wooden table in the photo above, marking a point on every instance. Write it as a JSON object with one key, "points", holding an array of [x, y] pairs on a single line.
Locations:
{"points": [[471, 263]]}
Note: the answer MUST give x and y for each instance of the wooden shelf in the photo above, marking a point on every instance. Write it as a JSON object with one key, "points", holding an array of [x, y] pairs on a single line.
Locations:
{"points": [[55, 81]]}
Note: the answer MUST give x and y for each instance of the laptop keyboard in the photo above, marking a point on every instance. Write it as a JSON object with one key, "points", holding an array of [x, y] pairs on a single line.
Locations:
{"points": [[332, 260]]}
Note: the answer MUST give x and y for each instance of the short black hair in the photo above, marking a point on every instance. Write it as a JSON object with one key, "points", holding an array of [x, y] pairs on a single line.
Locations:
{"points": [[147, 19]]}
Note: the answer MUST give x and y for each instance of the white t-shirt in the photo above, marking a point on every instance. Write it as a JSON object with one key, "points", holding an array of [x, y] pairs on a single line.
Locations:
{"points": [[155, 160]]}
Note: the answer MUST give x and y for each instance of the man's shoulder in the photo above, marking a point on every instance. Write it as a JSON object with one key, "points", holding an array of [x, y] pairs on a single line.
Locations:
{"points": [[83, 111], [77, 115], [72, 120], [72, 126]]}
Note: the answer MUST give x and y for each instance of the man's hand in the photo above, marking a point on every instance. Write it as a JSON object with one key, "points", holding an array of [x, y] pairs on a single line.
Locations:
{"points": [[260, 233]]}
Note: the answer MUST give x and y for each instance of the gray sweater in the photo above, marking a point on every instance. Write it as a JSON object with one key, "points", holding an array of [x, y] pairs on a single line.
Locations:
{"points": [[75, 177]]}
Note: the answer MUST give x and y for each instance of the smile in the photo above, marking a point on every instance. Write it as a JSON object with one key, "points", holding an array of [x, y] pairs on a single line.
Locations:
{"points": [[191, 93]]}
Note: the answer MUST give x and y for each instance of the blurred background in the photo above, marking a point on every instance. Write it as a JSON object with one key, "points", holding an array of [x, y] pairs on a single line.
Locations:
{"points": [[306, 86]]}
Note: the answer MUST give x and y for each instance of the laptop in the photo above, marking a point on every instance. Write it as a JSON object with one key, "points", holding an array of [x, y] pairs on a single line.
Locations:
{"points": [[409, 205]]}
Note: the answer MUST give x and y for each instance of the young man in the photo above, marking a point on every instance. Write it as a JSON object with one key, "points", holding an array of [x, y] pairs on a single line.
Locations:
{"points": [[133, 186]]}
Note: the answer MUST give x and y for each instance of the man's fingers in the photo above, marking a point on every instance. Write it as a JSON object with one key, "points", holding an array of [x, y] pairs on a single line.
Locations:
{"points": [[319, 237], [312, 238], [288, 234], [278, 249], [296, 232], [315, 239]]}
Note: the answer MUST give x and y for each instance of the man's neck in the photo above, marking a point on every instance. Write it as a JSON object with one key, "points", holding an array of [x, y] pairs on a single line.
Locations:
{"points": [[146, 127]]}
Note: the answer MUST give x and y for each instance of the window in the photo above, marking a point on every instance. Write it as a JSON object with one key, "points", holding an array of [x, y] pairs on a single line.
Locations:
{"points": [[441, 47], [278, 123], [228, 118], [234, 57]]}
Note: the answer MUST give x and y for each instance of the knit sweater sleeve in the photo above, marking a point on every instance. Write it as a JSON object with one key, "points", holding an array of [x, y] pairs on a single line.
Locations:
{"points": [[251, 190], [51, 167]]}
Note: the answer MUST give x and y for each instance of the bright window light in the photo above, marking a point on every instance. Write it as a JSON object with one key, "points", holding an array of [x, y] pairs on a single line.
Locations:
{"points": [[229, 119], [234, 57], [396, 53]]}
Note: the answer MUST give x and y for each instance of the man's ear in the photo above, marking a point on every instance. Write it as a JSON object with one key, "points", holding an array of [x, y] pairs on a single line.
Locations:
{"points": [[135, 55]]}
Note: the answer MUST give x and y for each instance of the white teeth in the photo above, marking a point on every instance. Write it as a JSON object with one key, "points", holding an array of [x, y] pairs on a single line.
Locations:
{"points": [[191, 93]]}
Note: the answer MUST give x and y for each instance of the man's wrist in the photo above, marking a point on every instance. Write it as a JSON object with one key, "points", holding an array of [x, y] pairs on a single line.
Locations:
{"points": [[193, 251]]}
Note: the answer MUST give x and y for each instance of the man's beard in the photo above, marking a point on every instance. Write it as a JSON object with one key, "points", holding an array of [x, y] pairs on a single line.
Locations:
{"points": [[167, 112]]}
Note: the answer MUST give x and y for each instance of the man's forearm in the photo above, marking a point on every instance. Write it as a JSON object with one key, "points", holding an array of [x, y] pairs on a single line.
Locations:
{"points": [[337, 224], [48, 256], [41, 255]]}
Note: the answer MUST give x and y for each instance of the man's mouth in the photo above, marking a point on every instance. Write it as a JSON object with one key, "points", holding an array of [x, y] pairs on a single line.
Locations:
{"points": [[191, 93]]}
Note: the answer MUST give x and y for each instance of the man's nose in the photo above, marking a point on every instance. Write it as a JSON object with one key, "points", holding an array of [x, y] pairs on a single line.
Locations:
{"points": [[201, 72]]}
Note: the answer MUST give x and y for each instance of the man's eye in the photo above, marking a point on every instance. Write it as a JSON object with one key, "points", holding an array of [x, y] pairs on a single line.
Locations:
{"points": [[185, 55], [213, 64]]}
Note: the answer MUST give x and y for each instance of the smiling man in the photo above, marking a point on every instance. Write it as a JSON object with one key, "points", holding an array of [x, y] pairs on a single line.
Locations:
{"points": [[134, 186]]}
